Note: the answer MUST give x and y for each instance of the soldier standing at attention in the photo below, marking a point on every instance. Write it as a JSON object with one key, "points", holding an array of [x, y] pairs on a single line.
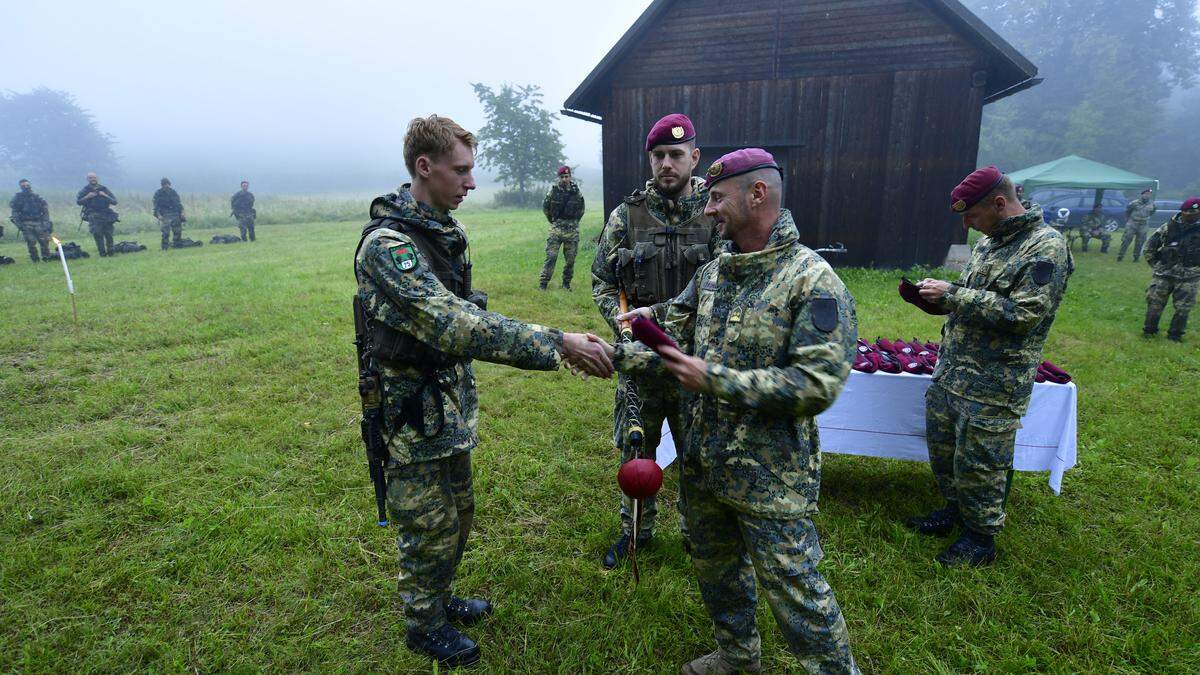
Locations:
{"points": [[32, 218], [242, 206], [1000, 311], [652, 244], [426, 324], [1138, 214], [767, 333], [97, 202], [168, 208], [1093, 226], [1173, 252], [563, 207]]}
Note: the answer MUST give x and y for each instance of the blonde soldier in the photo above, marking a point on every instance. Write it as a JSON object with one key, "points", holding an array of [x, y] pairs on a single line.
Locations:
{"points": [[652, 244]]}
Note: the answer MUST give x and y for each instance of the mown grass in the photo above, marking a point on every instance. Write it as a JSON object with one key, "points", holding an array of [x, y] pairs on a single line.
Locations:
{"points": [[182, 486]]}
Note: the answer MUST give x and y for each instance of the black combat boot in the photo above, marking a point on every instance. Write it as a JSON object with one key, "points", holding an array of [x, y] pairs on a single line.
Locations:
{"points": [[467, 611], [1153, 314], [972, 548], [445, 645], [938, 523], [566, 286], [1178, 326], [619, 550]]}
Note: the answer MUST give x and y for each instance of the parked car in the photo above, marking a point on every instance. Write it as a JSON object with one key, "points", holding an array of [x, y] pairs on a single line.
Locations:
{"points": [[1167, 208], [1080, 202]]}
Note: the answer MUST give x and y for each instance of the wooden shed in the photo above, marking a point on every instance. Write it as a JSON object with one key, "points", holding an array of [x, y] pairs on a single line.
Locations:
{"points": [[871, 107]]}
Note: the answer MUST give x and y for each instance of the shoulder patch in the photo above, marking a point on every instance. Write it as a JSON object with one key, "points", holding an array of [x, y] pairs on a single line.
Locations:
{"points": [[825, 313], [1043, 272], [404, 257]]}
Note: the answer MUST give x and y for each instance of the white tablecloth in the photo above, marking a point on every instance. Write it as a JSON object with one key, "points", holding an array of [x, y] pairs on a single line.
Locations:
{"points": [[883, 415]]}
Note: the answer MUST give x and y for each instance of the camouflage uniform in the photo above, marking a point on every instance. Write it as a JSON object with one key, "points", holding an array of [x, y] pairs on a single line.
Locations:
{"points": [[99, 215], [242, 206], [169, 210], [1173, 252], [563, 208], [1001, 310], [615, 258], [431, 414], [1093, 226], [32, 217], [1138, 213], [778, 330]]}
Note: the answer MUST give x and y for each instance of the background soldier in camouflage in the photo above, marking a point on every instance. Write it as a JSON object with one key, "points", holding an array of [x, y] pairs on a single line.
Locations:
{"points": [[32, 218], [1000, 311], [242, 206], [97, 202], [1091, 227], [427, 325], [563, 207], [651, 246], [1173, 252], [168, 208], [771, 330], [1138, 214]]}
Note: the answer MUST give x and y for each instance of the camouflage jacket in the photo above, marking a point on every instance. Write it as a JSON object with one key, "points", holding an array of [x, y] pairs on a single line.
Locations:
{"points": [[1139, 210], [401, 291], [1174, 249], [563, 203], [1093, 224], [1001, 310], [241, 202], [99, 206], [778, 330], [166, 202], [28, 207], [605, 285]]}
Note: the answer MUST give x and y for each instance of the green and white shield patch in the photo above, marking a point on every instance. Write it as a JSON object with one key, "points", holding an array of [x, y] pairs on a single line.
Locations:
{"points": [[403, 257]]}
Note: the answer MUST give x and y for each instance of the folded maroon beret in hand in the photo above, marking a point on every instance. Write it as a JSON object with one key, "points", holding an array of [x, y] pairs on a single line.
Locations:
{"points": [[648, 333], [912, 295]]}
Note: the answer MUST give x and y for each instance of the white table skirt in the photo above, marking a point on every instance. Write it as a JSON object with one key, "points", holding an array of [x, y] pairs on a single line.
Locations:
{"points": [[883, 415]]}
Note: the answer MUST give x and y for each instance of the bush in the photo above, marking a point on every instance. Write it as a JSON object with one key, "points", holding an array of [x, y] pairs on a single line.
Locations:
{"points": [[518, 199]]}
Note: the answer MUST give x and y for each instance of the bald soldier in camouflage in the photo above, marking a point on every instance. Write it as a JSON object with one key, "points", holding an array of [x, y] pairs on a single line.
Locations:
{"points": [[1000, 312], [32, 218], [1138, 214], [652, 244], [563, 207], [426, 325], [96, 202], [767, 333], [1173, 252]]}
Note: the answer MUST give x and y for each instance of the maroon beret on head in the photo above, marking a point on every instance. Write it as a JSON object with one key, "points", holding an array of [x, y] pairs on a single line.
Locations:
{"points": [[974, 188], [673, 129], [739, 162], [564, 169], [1147, 190], [1192, 204]]}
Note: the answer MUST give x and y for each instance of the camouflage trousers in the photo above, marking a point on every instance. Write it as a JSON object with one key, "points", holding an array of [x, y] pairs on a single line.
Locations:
{"points": [[246, 225], [172, 227], [563, 234], [432, 506], [1134, 232], [658, 403], [971, 449], [1181, 291], [37, 235], [1103, 235], [731, 548], [102, 232]]}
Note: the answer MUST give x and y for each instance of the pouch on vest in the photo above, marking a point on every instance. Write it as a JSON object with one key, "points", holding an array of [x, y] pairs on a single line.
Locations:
{"points": [[644, 282]]}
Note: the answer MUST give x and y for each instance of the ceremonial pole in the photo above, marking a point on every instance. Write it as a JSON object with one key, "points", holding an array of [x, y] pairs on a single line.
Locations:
{"points": [[70, 284]]}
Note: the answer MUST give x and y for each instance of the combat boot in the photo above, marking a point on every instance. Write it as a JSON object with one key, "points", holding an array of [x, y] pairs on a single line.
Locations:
{"points": [[1153, 314], [619, 550], [566, 286], [938, 523], [972, 548], [716, 664], [542, 286], [467, 611], [445, 645], [1178, 326]]}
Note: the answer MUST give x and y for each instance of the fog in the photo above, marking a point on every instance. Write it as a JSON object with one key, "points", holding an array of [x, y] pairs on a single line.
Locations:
{"points": [[298, 96]]}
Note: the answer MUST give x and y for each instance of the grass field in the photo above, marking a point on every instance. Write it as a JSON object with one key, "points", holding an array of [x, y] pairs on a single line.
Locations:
{"points": [[182, 486]]}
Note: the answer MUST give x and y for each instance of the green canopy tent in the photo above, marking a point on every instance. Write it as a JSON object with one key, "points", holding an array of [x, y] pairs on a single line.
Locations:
{"points": [[1077, 172]]}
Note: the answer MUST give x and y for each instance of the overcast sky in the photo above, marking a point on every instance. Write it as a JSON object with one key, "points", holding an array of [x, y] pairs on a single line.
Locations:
{"points": [[298, 87]]}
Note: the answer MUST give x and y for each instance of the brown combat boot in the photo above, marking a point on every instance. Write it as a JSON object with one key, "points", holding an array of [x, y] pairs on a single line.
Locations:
{"points": [[715, 664]]}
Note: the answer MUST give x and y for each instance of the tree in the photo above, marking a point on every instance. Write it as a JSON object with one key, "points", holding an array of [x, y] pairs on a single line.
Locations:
{"points": [[46, 136], [519, 139], [1110, 66]]}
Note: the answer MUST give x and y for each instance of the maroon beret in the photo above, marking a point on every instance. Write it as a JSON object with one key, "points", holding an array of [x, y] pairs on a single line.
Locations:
{"points": [[564, 169], [739, 162], [1147, 190], [974, 188], [648, 333], [673, 129], [1192, 204]]}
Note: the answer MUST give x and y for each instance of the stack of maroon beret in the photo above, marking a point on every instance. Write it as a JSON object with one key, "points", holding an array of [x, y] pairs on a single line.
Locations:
{"points": [[896, 356]]}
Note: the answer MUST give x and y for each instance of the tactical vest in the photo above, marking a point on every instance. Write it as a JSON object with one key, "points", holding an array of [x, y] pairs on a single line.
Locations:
{"points": [[1183, 249], [398, 349], [565, 204], [661, 259], [28, 207]]}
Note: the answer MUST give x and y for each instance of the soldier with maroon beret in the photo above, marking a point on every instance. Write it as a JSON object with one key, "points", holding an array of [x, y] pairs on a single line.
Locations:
{"points": [[1173, 252]]}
